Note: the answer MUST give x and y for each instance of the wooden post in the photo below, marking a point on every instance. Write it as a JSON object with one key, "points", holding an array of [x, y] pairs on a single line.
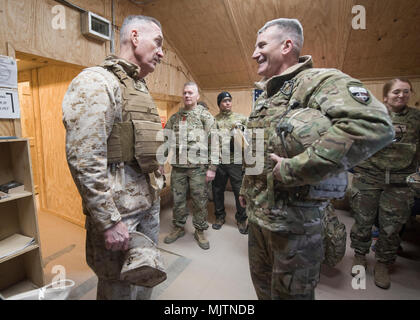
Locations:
{"points": [[9, 127], [11, 52]]}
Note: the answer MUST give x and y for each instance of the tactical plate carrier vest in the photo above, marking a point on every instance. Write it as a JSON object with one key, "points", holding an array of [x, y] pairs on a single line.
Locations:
{"points": [[135, 138], [296, 128]]}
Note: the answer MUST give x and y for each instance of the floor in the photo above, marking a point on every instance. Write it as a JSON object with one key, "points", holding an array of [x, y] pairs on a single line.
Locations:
{"points": [[221, 273]]}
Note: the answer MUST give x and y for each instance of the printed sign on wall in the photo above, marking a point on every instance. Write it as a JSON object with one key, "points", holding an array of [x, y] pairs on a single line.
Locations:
{"points": [[8, 72], [9, 101], [9, 104]]}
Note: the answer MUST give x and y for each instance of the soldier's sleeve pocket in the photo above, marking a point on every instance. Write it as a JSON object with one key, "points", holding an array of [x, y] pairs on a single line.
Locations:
{"points": [[354, 196], [333, 149]]}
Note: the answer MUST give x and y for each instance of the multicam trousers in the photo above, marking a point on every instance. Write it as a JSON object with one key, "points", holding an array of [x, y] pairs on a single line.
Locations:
{"points": [[194, 180], [107, 264], [392, 204], [284, 265]]}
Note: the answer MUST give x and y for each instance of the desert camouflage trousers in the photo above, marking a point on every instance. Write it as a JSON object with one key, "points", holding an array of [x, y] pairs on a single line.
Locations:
{"points": [[285, 266], [107, 264], [391, 203], [194, 181]]}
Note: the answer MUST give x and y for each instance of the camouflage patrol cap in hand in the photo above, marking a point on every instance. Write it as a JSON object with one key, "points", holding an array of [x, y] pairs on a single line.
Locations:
{"points": [[334, 237], [143, 264], [413, 181]]}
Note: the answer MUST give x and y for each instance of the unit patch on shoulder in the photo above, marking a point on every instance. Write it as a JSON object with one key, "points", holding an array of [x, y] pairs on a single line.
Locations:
{"points": [[359, 94]]}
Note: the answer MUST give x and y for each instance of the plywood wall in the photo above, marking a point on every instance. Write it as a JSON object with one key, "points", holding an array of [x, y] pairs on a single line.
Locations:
{"points": [[376, 88], [27, 25], [7, 127], [169, 76], [29, 28]]}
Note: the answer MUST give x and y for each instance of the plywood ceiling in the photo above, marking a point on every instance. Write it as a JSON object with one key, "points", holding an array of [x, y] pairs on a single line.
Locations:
{"points": [[216, 38]]}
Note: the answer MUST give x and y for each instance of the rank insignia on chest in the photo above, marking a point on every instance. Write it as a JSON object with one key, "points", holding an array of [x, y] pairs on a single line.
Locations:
{"points": [[287, 87], [184, 118], [360, 94]]}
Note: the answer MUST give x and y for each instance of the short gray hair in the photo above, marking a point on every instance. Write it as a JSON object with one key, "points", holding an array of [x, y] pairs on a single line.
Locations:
{"points": [[134, 21], [191, 83], [292, 29]]}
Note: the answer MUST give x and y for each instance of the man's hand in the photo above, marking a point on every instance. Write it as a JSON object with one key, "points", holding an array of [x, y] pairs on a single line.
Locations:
{"points": [[117, 237], [276, 170], [210, 174], [242, 201], [161, 170]]}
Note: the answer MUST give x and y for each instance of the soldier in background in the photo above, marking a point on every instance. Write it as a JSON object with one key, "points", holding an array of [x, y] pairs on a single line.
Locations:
{"points": [[191, 175], [228, 123], [202, 104], [379, 185], [113, 177], [317, 123]]}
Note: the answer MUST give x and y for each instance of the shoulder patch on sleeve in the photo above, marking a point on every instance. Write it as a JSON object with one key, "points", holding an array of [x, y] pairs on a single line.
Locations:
{"points": [[358, 93]]}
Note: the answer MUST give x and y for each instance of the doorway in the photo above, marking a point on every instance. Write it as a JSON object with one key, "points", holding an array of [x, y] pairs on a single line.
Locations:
{"points": [[42, 84]]}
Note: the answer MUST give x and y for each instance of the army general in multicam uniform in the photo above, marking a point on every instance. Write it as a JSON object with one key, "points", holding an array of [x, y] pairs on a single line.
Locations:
{"points": [[230, 127], [380, 187], [317, 124], [192, 166], [107, 112]]}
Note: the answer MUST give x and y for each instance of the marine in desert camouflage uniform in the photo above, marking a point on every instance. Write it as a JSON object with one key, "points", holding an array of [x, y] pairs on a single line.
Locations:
{"points": [[117, 195], [188, 174], [317, 124], [379, 185]]}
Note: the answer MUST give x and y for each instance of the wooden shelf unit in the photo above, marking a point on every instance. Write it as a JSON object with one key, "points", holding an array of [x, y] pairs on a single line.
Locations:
{"points": [[22, 270]]}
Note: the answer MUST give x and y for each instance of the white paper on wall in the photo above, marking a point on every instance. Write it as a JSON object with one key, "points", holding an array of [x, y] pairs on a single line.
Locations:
{"points": [[8, 72]]}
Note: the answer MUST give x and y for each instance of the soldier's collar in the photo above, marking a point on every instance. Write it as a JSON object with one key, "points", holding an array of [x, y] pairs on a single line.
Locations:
{"points": [[185, 111], [272, 85], [403, 112], [226, 112], [128, 67]]}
